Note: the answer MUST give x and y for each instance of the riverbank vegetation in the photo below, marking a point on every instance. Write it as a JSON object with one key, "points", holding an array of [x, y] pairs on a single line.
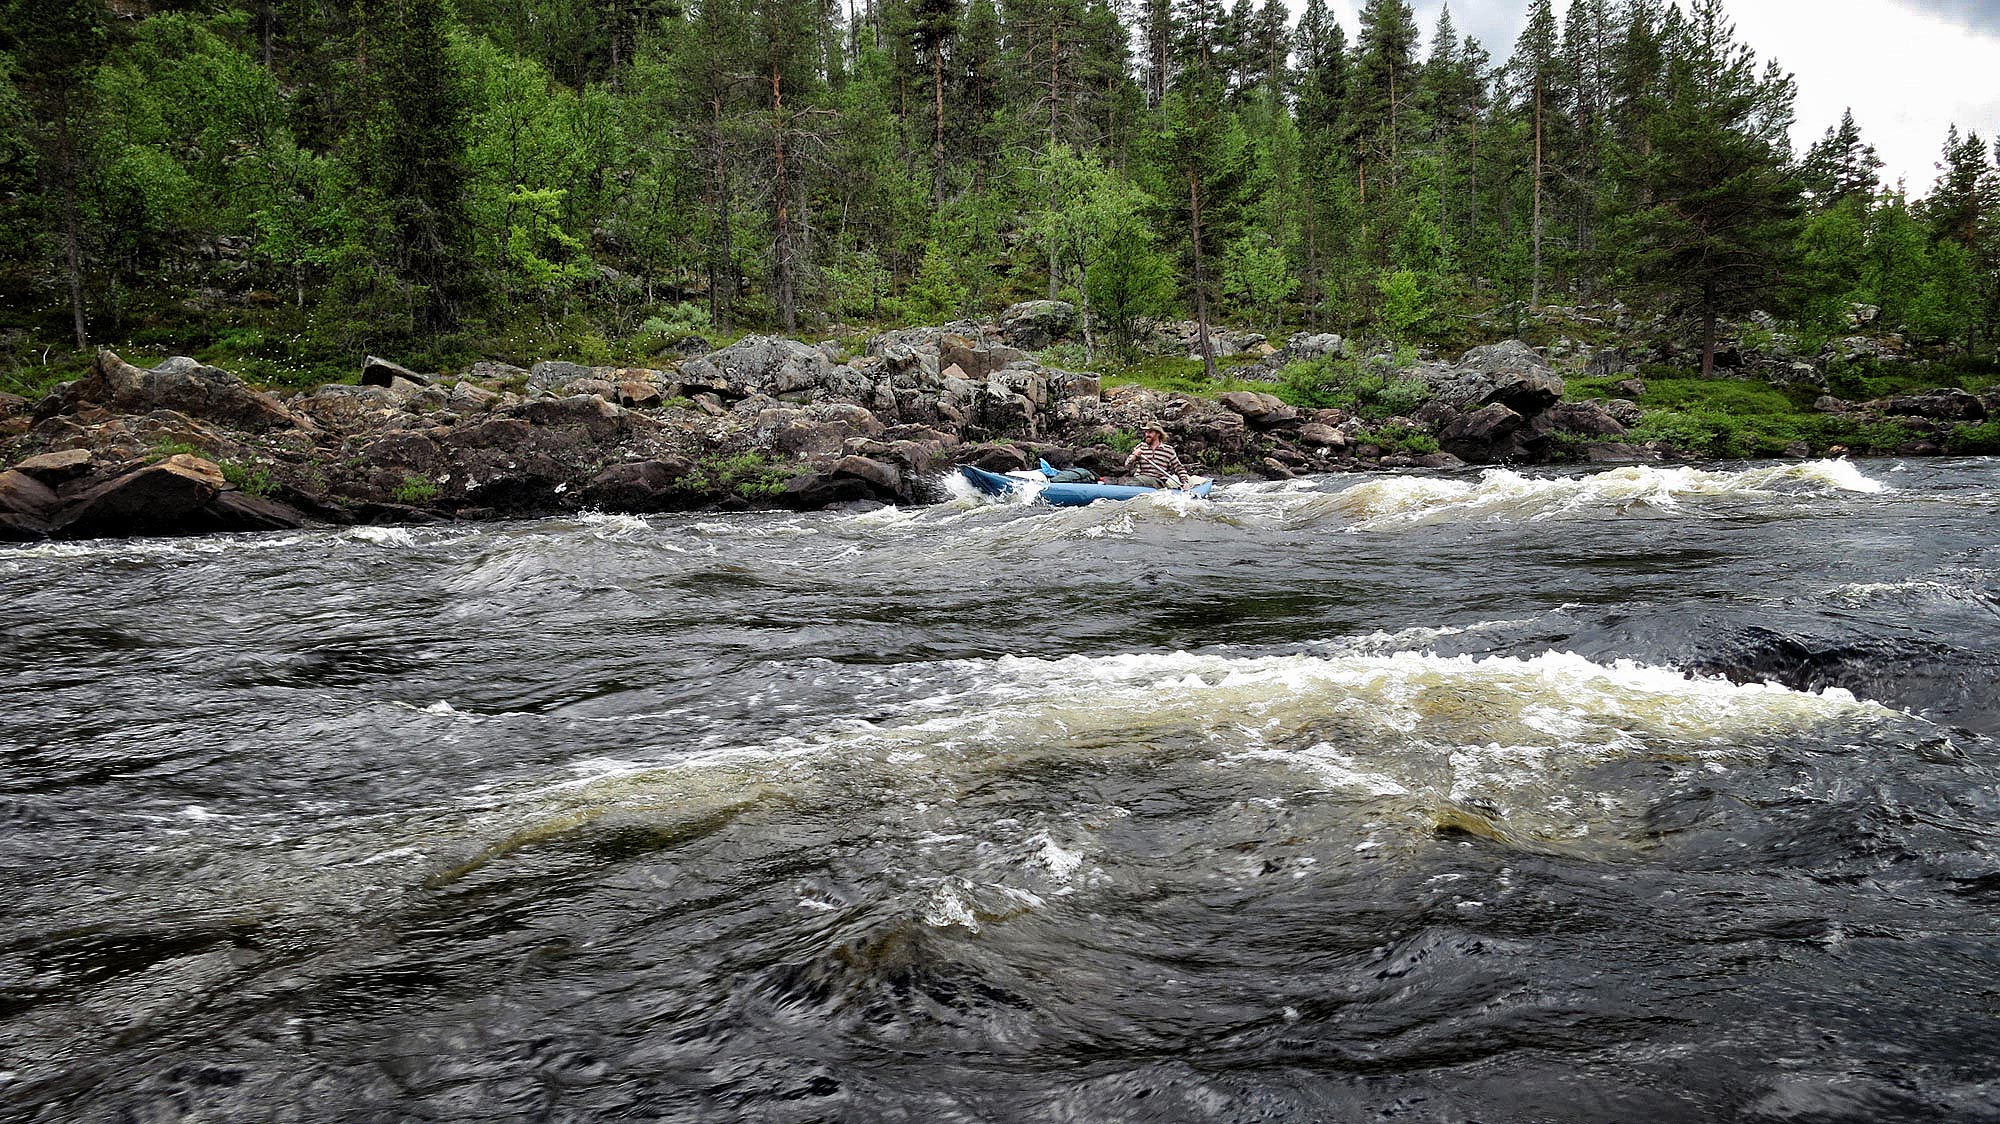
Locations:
{"points": [[278, 187]]}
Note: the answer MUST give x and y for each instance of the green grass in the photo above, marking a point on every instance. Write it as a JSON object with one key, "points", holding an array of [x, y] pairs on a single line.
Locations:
{"points": [[1171, 374], [161, 450], [32, 380], [1739, 418]]}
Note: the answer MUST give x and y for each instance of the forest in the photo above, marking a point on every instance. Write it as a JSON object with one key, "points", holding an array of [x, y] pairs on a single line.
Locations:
{"points": [[281, 185]]}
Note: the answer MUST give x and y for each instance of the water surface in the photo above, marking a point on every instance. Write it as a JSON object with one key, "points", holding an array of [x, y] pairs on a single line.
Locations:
{"points": [[1658, 793]]}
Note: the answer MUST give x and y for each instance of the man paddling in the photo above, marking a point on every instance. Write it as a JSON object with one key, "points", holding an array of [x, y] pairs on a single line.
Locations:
{"points": [[1154, 464]]}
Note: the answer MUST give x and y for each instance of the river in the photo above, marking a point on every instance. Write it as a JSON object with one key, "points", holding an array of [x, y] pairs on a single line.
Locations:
{"points": [[1652, 793]]}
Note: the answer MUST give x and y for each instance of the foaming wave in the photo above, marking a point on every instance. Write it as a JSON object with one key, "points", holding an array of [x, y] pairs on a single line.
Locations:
{"points": [[613, 524], [1506, 496], [380, 536], [1974, 588], [1420, 636], [1521, 750], [147, 549]]}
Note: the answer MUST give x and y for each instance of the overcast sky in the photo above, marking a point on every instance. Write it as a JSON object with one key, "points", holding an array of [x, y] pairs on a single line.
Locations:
{"points": [[1908, 68]]}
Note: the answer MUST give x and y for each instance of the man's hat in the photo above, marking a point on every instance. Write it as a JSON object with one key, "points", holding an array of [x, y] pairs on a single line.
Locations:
{"points": [[1153, 427]]}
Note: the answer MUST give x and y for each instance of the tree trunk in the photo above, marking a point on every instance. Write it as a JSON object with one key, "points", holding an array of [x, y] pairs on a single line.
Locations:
{"points": [[937, 139], [72, 219], [782, 297], [1707, 331], [722, 251], [1200, 281], [1055, 81], [1535, 285]]}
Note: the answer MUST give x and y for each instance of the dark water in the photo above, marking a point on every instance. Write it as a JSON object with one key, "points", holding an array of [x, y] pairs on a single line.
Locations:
{"points": [[1655, 794]]}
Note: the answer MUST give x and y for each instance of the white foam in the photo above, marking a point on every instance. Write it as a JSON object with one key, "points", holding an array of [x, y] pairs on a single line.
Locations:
{"points": [[613, 524], [1062, 863], [381, 536], [1504, 495]]}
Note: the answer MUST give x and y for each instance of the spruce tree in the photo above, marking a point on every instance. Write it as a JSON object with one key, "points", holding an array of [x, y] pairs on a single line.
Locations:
{"points": [[406, 147], [1208, 167], [56, 44], [1839, 166]]}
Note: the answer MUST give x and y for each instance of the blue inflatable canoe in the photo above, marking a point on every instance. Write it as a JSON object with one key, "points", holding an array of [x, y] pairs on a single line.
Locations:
{"points": [[1063, 495]]}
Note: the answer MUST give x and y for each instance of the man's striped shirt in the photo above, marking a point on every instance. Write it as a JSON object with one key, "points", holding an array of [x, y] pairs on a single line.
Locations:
{"points": [[1157, 460]]}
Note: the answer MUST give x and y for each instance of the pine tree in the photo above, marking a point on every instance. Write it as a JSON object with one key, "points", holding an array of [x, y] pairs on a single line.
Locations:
{"points": [[1710, 206], [1322, 95], [1533, 72], [1381, 92], [1954, 207], [788, 41], [1208, 166], [934, 25]]}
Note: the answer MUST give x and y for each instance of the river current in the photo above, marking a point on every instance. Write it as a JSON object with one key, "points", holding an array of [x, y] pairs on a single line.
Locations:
{"points": [[1653, 793]]}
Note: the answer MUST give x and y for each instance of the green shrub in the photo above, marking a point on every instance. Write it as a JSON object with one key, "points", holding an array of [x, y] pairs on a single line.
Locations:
{"points": [[751, 475], [1123, 441], [250, 479], [1341, 384], [669, 325], [161, 450], [1398, 439], [1974, 440], [414, 490]]}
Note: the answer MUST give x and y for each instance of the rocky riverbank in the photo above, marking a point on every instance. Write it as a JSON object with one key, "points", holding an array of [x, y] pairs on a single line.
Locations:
{"points": [[183, 448]]}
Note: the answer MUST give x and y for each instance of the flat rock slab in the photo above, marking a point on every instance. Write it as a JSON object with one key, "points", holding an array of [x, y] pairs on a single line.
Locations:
{"points": [[157, 499]]}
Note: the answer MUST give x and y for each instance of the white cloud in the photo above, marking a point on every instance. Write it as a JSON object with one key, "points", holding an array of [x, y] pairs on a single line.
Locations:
{"points": [[1908, 75]]}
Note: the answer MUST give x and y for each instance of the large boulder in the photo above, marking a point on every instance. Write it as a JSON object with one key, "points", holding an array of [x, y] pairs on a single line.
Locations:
{"points": [[1315, 345], [180, 384], [556, 375], [377, 371], [1037, 324], [641, 486], [1946, 404], [1586, 418], [1486, 435], [1508, 373], [26, 506], [885, 480], [1261, 411], [58, 468], [815, 490], [154, 499], [771, 365], [822, 429]]}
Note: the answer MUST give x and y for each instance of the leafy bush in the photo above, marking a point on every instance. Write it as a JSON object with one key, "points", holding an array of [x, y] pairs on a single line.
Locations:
{"points": [[250, 479], [1398, 439], [414, 490], [1322, 384], [750, 475], [1975, 440]]}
